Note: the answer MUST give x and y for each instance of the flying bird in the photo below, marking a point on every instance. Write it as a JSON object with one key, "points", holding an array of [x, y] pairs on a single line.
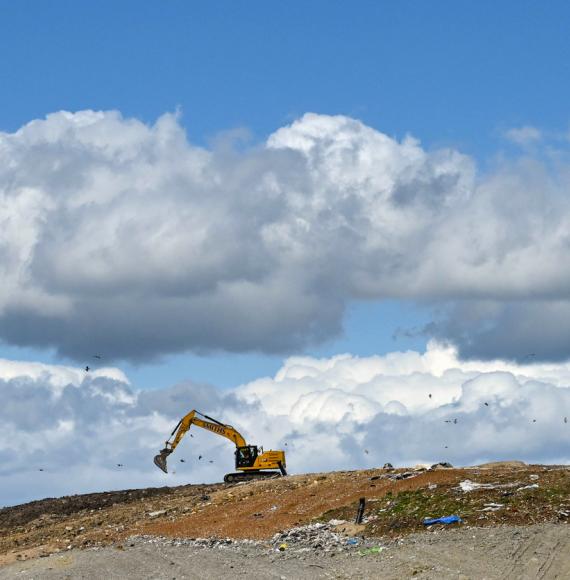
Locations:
{"points": [[87, 369], [366, 451], [120, 465], [97, 356], [455, 421], [199, 457], [429, 395], [211, 461], [41, 469], [183, 461], [486, 404], [565, 419]]}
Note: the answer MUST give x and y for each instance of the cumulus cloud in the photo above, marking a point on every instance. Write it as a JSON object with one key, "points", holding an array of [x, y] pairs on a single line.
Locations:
{"points": [[121, 237], [343, 412]]}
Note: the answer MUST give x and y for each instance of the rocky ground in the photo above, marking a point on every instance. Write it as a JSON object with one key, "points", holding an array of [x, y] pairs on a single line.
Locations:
{"points": [[513, 516]]}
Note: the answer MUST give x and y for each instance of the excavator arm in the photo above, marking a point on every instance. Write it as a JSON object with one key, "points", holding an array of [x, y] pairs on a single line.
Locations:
{"points": [[206, 423]]}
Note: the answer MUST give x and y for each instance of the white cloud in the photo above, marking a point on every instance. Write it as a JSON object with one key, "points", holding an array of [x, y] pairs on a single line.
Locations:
{"points": [[327, 411], [123, 237], [523, 135]]}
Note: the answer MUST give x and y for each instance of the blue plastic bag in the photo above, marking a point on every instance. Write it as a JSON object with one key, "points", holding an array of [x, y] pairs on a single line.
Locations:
{"points": [[443, 520]]}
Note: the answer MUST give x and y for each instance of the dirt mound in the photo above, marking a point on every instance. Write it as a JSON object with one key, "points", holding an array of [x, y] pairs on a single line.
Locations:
{"points": [[397, 501], [502, 464]]}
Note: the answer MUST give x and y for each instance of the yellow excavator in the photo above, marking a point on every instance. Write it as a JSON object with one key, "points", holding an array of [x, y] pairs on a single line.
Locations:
{"points": [[251, 461]]}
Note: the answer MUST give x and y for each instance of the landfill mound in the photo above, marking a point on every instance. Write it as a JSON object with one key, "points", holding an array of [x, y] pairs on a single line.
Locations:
{"points": [[304, 510]]}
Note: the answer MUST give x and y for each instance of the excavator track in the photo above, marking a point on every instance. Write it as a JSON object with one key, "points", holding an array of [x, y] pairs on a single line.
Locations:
{"points": [[250, 476]]}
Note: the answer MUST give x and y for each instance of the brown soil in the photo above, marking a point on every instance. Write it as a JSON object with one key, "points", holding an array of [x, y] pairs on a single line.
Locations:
{"points": [[259, 509]]}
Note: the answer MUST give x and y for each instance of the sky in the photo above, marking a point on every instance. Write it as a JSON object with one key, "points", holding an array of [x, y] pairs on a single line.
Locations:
{"points": [[202, 194]]}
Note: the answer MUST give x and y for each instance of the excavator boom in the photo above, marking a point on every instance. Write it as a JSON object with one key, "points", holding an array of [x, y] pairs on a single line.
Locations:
{"points": [[249, 461]]}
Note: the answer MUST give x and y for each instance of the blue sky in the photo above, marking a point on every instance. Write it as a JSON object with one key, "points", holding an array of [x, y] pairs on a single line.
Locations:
{"points": [[452, 74]]}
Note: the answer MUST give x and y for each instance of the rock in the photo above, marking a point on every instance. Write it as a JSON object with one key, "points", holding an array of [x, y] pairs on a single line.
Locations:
{"points": [[156, 514]]}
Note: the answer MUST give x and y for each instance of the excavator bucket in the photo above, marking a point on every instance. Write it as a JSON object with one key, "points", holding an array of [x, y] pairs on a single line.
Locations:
{"points": [[160, 460]]}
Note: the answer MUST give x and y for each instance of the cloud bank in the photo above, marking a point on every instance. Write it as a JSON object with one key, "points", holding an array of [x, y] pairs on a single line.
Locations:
{"points": [[127, 239], [89, 433]]}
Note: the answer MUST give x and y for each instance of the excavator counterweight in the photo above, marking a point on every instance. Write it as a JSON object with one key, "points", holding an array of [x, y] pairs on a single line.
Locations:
{"points": [[251, 462]]}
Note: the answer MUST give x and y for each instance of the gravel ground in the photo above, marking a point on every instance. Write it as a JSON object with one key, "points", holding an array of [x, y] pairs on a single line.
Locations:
{"points": [[539, 551]]}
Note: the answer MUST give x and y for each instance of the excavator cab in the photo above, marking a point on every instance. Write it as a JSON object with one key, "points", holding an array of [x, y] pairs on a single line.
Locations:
{"points": [[246, 456]]}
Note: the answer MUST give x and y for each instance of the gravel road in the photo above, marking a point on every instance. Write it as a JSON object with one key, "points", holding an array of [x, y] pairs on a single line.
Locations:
{"points": [[540, 551]]}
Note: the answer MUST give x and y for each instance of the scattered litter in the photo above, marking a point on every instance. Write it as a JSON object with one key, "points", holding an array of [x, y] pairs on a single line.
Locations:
{"points": [[311, 537], [432, 485], [442, 520], [532, 486], [533, 477], [404, 475], [492, 507], [369, 551], [156, 514], [352, 541], [336, 522], [469, 485]]}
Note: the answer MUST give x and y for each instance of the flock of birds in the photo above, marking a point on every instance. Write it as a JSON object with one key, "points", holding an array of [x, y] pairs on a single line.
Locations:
{"points": [[200, 457]]}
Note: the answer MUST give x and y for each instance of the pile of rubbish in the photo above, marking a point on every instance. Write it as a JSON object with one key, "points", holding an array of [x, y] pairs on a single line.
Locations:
{"points": [[219, 543], [311, 537]]}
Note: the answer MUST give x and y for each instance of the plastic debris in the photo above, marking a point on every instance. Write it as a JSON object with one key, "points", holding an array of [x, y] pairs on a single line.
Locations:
{"points": [[442, 520], [156, 514], [352, 541], [492, 507], [532, 486], [283, 547], [469, 485], [369, 551]]}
